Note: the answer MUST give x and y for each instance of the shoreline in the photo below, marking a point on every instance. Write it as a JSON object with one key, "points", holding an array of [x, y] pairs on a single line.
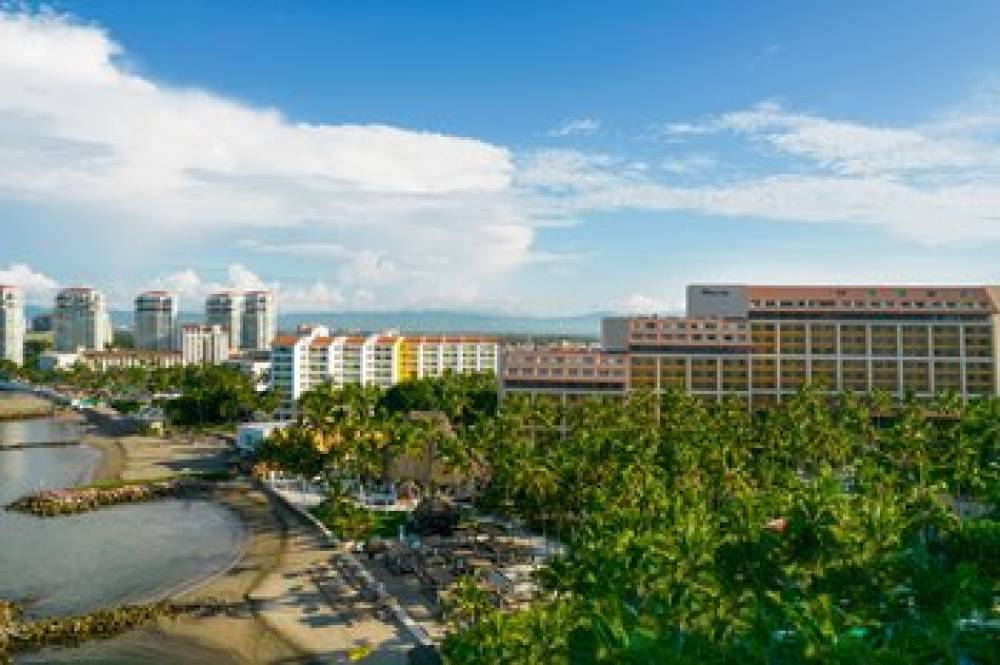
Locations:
{"points": [[236, 632], [279, 600]]}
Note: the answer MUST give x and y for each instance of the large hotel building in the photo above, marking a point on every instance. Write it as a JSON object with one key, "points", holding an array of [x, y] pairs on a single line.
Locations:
{"points": [[761, 343], [314, 356]]}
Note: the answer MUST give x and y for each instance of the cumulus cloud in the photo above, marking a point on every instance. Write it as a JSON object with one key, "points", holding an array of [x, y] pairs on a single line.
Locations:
{"points": [[35, 285], [191, 288], [79, 128]]}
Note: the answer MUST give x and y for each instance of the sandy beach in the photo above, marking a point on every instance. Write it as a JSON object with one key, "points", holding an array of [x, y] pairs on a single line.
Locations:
{"points": [[283, 600], [18, 406]]}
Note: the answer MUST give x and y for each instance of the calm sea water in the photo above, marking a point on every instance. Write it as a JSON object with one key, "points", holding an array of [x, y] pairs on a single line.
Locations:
{"points": [[123, 554]]}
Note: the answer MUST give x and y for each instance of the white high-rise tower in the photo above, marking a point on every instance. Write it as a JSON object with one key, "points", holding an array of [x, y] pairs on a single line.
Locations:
{"points": [[260, 322], [11, 324], [156, 321], [81, 320]]}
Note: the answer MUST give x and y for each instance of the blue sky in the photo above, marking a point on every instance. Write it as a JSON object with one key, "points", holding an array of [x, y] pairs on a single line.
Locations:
{"points": [[543, 157]]}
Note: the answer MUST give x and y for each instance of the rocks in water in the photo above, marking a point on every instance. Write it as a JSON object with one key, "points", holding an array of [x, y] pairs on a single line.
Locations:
{"points": [[51, 503], [17, 635]]}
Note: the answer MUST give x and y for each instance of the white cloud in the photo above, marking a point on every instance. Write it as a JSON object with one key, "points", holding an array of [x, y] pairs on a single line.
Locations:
{"points": [[192, 288], [36, 286], [151, 160], [575, 127], [688, 164], [856, 149], [639, 303], [932, 183]]}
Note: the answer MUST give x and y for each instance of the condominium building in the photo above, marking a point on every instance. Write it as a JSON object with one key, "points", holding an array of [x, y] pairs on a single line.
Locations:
{"points": [[204, 345], [11, 324], [762, 343], [156, 321], [81, 320], [225, 309], [437, 355], [260, 321], [314, 356]]}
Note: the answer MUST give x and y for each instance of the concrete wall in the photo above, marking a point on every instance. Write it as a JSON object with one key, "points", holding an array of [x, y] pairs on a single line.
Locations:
{"points": [[717, 300], [614, 333]]}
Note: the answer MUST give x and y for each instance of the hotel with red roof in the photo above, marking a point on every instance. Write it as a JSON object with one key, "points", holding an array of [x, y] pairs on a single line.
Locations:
{"points": [[314, 355], [762, 343]]}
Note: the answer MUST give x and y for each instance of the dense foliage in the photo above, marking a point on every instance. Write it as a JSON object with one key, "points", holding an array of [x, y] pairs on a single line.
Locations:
{"points": [[357, 431], [849, 530], [215, 395], [703, 533], [192, 396]]}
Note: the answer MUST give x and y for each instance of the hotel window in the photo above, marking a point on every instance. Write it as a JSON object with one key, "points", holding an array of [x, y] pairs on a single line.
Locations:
{"points": [[793, 339], [947, 342], [764, 373], [704, 374], [735, 374], [884, 340], [763, 337], [855, 375], [979, 378], [824, 373], [793, 373], [947, 376], [885, 375], [978, 342], [852, 340], [823, 339], [916, 376], [673, 372]]}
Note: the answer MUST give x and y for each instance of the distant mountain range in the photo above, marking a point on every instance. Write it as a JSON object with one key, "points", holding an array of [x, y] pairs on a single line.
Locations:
{"points": [[415, 321]]}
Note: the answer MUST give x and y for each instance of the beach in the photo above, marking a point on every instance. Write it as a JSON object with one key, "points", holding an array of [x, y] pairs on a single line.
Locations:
{"points": [[17, 406], [282, 600]]}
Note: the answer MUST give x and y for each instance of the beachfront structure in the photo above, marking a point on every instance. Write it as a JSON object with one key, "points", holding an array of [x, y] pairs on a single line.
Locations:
{"points": [[762, 343], [11, 324], [81, 320], [102, 361], [156, 321], [250, 436], [313, 355], [225, 308], [260, 321], [204, 345], [254, 364]]}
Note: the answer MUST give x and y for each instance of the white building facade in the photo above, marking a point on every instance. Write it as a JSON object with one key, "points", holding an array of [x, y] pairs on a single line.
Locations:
{"points": [[314, 356], [11, 324], [81, 320], [156, 321], [204, 345]]}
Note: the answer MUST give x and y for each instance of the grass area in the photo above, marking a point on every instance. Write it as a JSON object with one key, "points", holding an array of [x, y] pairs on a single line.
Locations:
{"points": [[348, 520]]}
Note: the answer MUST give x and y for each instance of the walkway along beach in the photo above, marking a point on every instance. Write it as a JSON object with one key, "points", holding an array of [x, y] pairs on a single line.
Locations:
{"points": [[282, 600]]}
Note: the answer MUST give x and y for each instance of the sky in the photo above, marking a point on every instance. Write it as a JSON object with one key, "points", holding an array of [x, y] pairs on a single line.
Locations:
{"points": [[524, 157]]}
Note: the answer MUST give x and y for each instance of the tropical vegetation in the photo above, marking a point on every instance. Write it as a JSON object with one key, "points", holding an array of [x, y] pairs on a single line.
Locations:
{"points": [[845, 530]]}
